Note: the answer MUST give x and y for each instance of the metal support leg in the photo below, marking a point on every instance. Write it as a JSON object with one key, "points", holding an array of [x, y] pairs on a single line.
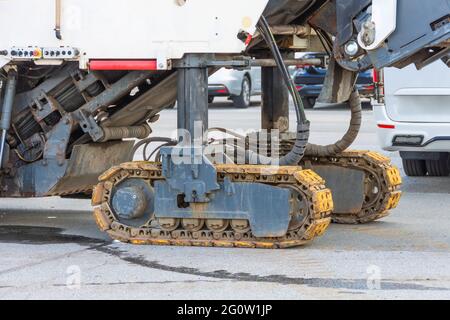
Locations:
{"points": [[7, 107], [275, 100], [193, 98], [192, 176]]}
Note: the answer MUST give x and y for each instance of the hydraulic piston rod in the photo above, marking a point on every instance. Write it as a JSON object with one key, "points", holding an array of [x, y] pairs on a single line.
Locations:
{"points": [[8, 102]]}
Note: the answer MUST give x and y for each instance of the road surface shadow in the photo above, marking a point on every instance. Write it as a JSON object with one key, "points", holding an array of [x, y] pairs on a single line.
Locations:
{"points": [[38, 235]]}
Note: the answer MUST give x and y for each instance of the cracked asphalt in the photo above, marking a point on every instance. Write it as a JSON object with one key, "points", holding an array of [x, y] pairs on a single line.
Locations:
{"points": [[51, 249]]}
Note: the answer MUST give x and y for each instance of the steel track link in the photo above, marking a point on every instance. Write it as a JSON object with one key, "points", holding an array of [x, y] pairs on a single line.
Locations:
{"points": [[308, 184], [380, 174]]}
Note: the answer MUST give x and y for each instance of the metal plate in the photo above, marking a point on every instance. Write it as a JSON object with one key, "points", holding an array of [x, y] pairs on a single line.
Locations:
{"points": [[347, 187], [88, 162], [266, 207]]}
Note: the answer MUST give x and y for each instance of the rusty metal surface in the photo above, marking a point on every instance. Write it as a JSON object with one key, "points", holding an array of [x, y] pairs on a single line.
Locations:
{"points": [[338, 85], [275, 100], [88, 162], [307, 184], [119, 133], [298, 30], [325, 18], [286, 11], [147, 105]]}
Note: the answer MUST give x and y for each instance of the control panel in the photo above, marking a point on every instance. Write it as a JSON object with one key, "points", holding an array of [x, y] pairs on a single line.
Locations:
{"points": [[37, 53], [60, 53]]}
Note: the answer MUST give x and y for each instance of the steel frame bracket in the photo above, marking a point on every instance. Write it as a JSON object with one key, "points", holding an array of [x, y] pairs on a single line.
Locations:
{"points": [[210, 61], [89, 125], [194, 61], [58, 140], [189, 172]]}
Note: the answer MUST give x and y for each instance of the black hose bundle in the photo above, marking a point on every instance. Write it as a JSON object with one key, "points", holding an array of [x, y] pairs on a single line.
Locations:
{"points": [[302, 133], [301, 145], [146, 142], [349, 137]]}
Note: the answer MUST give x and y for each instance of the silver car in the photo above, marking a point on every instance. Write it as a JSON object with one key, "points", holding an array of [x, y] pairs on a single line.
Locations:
{"points": [[237, 85]]}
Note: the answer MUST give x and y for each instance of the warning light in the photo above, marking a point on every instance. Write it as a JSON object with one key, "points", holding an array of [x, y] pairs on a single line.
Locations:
{"points": [[37, 53]]}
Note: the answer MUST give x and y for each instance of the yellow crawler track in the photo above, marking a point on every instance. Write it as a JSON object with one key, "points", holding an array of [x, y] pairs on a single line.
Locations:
{"points": [[306, 184], [380, 175]]}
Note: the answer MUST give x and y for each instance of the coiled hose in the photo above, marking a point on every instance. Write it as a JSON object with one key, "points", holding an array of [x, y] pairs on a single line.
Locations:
{"points": [[348, 138], [315, 150]]}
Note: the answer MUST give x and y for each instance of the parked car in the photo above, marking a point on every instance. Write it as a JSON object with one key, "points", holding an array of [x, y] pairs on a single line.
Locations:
{"points": [[238, 86], [415, 118], [309, 81]]}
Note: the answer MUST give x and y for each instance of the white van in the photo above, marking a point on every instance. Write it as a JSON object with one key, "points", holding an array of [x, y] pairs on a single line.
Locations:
{"points": [[415, 118]]}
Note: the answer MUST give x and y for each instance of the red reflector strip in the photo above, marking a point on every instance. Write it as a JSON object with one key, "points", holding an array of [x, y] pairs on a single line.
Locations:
{"points": [[222, 91], [386, 126], [375, 76], [123, 65], [248, 40]]}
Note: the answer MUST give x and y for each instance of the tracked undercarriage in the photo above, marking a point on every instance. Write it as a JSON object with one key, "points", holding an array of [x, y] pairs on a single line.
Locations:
{"points": [[75, 97], [309, 200], [307, 220]]}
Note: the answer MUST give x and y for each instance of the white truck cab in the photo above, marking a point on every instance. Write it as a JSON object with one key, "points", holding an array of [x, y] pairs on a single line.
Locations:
{"points": [[415, 118]]}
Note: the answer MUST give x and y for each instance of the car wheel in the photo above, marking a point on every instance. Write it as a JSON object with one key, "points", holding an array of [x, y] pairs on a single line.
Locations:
{"points": [[210, 99], [415, 168], [308, 102], [438, 168], [243, 100]]}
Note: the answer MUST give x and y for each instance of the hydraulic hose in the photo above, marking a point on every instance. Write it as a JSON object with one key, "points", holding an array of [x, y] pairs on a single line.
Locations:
{"points": [[301, 146], [146, 142], [269, 38], [302, 132], [348, 138], [315, 150]]}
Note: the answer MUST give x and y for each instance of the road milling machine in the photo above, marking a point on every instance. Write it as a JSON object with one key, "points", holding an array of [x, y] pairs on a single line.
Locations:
{"points": [[82, 80]]}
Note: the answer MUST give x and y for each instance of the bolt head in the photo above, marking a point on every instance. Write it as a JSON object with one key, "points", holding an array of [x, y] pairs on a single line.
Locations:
{"points": [[351, 48]]}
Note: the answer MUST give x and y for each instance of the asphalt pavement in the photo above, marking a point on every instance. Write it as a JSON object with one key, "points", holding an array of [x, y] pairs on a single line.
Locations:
{"points": [[51, 249]]}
